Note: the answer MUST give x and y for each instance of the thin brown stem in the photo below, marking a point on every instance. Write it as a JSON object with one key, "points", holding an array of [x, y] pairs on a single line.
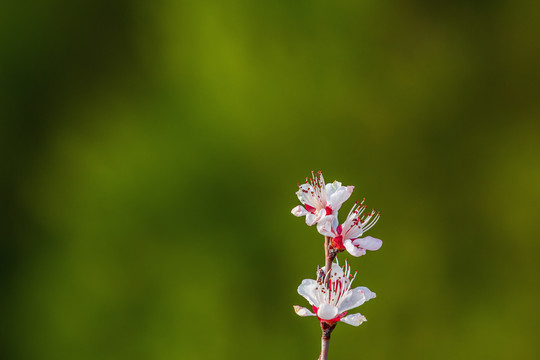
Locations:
{"points": [[327, 261], [325, 339], [329, 256], [324, 348]]}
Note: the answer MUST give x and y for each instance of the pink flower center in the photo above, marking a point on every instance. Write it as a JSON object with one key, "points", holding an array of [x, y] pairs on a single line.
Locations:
{"points": [[337, 243]]}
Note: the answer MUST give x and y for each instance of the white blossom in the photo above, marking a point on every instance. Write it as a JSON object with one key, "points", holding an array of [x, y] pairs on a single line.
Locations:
{"points": [[347, 235], [320, 201], [331, 300]]}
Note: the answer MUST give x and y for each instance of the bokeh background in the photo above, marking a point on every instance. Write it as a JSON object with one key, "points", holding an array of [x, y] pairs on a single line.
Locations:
{"points": [[150, 153]]}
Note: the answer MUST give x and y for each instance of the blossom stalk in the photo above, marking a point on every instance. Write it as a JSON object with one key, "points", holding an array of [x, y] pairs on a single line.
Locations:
{"points": [[325, 339], [327, 259]]}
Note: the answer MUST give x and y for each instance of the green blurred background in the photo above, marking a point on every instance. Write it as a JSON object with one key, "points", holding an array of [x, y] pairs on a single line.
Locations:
{"points": [[150, 153]]}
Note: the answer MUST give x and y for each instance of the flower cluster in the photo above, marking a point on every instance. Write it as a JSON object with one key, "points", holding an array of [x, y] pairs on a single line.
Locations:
{"points": [[320, 205], [331, 295]]}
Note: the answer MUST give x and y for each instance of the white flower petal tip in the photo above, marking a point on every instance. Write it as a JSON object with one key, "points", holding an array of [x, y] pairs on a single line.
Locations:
{"points": [[353, 250], [354, 319], [299, 211], [367, 293], [368, 243], [308, 290], [302, 311]]}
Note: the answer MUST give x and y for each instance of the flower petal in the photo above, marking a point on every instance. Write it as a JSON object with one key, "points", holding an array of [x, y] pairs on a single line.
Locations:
{"points": [[352, 299], [354, 319], [324, 226], [307, 290], [368, 293], [327, 311], [368, 243], [353, 250], [335, 222], [338, 195], [304, 189], [331, 188], [313, 218], [302, 311], [299, 211]]}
